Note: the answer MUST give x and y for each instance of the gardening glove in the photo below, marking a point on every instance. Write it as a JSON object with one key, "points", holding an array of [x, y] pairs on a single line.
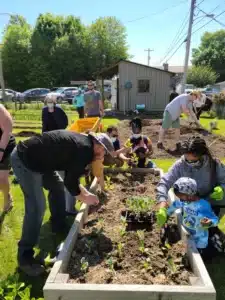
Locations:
{"points": [[217, 193], [161, 216]]}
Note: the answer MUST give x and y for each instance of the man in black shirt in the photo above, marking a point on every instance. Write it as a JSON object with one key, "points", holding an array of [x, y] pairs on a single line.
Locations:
{"points": [[35, 162]]}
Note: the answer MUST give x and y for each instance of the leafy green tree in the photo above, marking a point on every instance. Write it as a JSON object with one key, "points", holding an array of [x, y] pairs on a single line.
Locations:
{"points": [[16, 53], [107, 42], [201, 76], [211, 52]]}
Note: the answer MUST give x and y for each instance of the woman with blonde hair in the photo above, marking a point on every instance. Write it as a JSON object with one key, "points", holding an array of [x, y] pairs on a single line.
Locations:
{"points": [[53, 116]]}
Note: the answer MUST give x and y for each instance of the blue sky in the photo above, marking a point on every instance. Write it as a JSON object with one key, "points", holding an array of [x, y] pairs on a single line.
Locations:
{"points": [[152, 31]]}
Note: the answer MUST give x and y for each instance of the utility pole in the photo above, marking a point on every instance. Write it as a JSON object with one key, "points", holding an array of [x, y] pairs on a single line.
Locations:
{"points": [[149, 57], [188, 44]]}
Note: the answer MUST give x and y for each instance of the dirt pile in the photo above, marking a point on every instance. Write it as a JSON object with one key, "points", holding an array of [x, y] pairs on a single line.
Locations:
{"points": [[151, 129]]}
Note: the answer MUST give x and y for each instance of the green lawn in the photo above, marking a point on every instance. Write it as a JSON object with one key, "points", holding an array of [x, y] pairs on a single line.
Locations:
{"points": [[10, 230]]}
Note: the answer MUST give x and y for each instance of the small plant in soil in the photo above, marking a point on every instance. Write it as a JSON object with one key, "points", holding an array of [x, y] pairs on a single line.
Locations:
{"points": [[120, 247], [141, 237], [89, 245], [146, 264], [110, 264], [172, 265], [140, 205], [122, 230], [84, 265], [108, 184]]}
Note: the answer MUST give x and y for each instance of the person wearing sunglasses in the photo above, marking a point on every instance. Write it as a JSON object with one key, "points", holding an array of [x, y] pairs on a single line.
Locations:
{"points": [[93, 102], [120, 158]]}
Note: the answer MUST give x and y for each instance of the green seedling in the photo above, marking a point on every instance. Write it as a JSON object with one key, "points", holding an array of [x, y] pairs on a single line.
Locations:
{"points": [[84, 265], [122, 231], [108, 184], [120, 247], [141, 237], [140, 205], [100, 222], [146, 264], [123, 221], [110, 264], [172, 265], [89, 245]]}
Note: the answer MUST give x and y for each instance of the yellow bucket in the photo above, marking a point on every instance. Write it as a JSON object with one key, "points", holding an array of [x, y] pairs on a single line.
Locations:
{"points": [[82, 125]]}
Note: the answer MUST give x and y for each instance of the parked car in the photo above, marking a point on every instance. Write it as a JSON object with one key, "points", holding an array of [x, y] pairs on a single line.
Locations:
{"points": [[37, 94], [11, 95], [65, 94], [210, 91], [54, 89]]}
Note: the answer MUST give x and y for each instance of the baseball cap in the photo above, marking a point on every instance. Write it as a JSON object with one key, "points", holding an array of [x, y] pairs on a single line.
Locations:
{"points": [[186, 185], [104, 140]]}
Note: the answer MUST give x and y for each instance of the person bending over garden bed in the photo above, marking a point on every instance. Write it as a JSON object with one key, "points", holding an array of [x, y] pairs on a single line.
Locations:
{"points": [[198, 164], [140, 145], [35, 162], [171, 116]]}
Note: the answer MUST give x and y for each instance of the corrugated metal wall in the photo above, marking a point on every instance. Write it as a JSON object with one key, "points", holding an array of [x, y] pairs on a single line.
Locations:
{"points": [[155, 100]]}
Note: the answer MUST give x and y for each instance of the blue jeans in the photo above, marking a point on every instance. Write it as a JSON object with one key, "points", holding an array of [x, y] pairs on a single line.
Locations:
{"points": [[32, 184], [70, 200]]}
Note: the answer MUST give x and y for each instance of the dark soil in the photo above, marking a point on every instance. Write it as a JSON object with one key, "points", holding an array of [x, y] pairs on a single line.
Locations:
{"points": [[26, 133], [100, 241], [151, 129]]}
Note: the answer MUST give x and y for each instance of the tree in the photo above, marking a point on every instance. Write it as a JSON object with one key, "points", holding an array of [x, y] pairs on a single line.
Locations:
{"points": [[16, 53], [201, 76], [211, 52], [107, 42]]}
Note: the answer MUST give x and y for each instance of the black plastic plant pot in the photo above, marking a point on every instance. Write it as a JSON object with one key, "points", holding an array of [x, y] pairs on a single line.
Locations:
{"points": [[170, 234], [140, 221]]}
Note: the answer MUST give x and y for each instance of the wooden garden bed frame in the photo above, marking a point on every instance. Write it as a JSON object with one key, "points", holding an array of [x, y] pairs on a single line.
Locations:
{"points": [[58, 288]]}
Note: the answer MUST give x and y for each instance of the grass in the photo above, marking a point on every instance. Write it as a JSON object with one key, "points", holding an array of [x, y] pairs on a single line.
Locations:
{"points": [[10, 230]]}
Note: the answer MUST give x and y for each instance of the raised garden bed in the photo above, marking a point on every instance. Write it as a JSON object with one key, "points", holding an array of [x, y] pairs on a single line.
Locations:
{"points": [[114, 258]]}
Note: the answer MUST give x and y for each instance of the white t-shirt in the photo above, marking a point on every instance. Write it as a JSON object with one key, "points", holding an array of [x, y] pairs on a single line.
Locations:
{"points": [[175, 106]]}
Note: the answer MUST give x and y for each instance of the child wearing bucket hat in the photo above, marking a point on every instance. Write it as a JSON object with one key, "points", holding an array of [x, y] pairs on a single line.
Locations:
{"points": [[197, 214]]}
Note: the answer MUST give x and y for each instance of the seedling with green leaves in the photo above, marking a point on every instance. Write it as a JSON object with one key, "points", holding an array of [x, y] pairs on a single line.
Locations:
{"points": [[108, 184], [110, 264], [141, 237], [172, 265], [123, 227], [120, 247], [146, 264], [84, 265], [140, 205]]}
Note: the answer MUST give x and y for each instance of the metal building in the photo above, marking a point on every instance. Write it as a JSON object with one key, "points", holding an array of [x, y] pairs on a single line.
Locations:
{"points": [[138, 84]]}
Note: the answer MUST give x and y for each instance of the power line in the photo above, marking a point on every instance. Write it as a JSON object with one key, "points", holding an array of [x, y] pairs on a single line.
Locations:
{"points": [[156, 13], [176, 39], [208, 22], [211, 17], [175, 51], [184, 36]]}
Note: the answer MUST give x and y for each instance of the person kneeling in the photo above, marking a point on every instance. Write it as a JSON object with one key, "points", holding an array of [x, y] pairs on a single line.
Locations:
{"points": [[197, 214], [140, 145]]}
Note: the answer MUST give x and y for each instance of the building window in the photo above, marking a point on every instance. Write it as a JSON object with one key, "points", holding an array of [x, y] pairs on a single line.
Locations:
{"points": [[143, 86]]}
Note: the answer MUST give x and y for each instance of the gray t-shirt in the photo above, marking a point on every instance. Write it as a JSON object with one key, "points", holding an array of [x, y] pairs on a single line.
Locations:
{"points": [[91, 99], [175, 106]]}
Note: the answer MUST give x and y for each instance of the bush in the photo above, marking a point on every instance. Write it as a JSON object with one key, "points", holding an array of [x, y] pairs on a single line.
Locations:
{"points": [[107, 104]]}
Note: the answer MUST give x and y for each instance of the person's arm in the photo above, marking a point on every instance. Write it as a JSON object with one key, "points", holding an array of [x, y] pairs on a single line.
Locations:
{"points": [[101, 105], [173, 207], [72, 183], [210, 219], [166, 182], [220, 175], [150, 148], [44, 120], [6, 127]]}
